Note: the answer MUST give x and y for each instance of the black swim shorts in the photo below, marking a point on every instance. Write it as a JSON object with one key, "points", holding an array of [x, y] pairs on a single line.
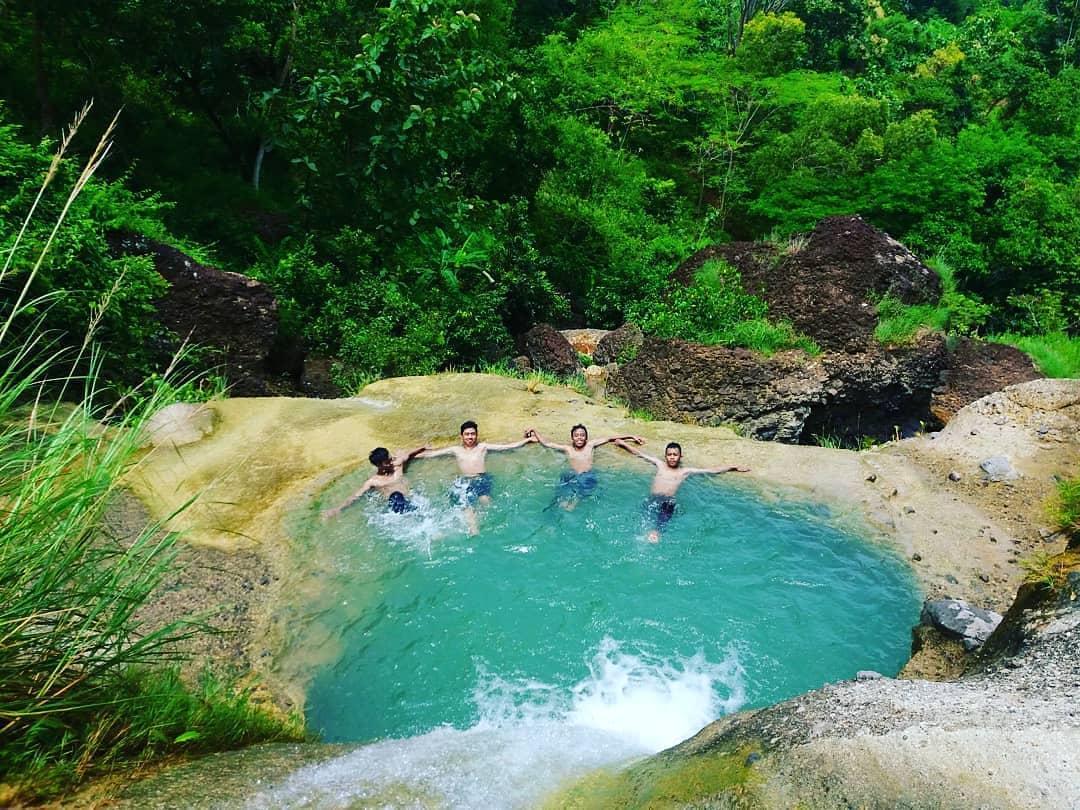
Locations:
{"points": [[399, 504], [659, 509]]}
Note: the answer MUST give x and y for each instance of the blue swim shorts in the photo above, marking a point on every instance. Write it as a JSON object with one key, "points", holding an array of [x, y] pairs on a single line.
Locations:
{"points": [[468, 489], [578, 485]]}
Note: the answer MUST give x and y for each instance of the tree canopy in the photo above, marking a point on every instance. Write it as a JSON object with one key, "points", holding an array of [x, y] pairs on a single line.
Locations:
{"points": [[438, 176]]}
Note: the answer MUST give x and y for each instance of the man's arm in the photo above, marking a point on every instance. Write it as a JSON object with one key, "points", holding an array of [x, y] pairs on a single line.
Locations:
{"points": [[403, 457], [512, 445], [652, 459], [427, 452], [532, 432], [714, 470], [628, 437], [337, 510]]}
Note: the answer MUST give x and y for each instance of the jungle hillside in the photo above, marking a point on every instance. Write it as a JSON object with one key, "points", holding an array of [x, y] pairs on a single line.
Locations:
{"points": [[420, 181]]}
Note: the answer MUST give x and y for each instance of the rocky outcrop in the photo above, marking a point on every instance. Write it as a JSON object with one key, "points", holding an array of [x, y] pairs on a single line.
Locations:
{"points": [[550, 351], [788, 396], [976, 369], [619, 345], [827, 287], [221, 311]]}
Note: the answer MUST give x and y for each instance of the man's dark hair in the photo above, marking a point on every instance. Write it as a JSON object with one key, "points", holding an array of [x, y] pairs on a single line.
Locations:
{"points": [[468, 424], [380, 456], [676, 445], [579, 427]]}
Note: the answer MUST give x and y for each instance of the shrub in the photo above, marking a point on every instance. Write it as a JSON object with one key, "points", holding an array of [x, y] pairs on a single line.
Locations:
{"points": [[75, 691], [1067, 512], [712, 303], [773, 44]]}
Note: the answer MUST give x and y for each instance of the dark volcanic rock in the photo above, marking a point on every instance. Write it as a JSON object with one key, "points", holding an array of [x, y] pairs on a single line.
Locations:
{"points": [[827, 288], [786, 397], [976, 369], [549, 350], [711, 385], [826, 285], [210, 307], [618, 343]]}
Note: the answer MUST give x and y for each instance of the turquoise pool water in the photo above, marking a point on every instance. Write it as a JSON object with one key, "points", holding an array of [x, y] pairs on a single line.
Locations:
{"points": [[555, 629]]}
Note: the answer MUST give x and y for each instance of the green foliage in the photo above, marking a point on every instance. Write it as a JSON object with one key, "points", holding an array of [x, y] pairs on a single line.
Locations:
{"points": [[1067, 510], [829, 440], [715, 310], [427, 183], [698, 312], [78, 273], [773, 44], [898, 323], [602, 246], [1056, 354], [536, 378], [75, 695], [835, 30], [1044, 569], [765, 337], [966, 313]]}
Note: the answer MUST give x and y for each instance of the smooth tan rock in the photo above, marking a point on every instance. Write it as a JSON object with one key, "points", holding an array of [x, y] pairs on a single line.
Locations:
{"points": [[180, 423]]}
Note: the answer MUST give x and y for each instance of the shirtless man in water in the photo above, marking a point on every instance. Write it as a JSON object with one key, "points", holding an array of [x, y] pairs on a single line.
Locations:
{"points": [[389, 480], [474, 483], [582, 481], [669, 476]]}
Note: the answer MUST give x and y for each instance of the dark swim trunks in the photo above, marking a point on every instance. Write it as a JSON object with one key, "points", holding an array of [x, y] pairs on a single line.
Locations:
{"points": [[577, 485], [468, 489], [399, 504], [660, 508]]}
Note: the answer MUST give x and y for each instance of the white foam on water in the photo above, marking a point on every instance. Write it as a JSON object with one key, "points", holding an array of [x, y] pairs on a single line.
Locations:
{"points": [[530, 738], [417, 529], [656, 701]]}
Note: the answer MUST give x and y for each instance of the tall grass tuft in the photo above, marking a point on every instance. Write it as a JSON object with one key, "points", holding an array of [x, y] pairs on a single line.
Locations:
{"points": [[74, 658], [1056, 354], [1067, 509]]}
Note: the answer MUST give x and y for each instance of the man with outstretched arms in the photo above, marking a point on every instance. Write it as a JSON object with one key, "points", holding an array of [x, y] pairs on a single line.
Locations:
{"points": [[669, 477], [474, 483], [389, 480], [582, 481]]}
